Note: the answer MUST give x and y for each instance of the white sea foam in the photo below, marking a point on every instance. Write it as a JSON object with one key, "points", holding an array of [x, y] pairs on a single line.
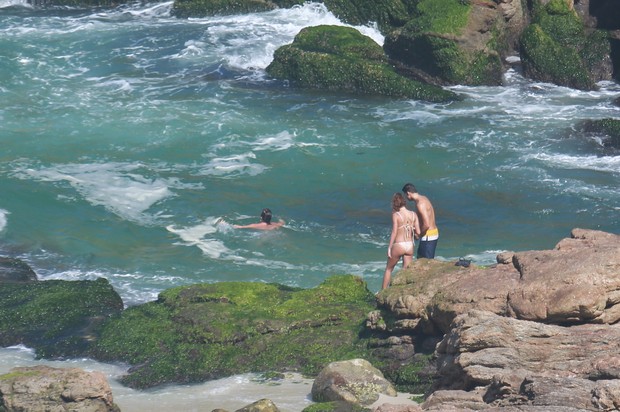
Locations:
{"points": [[200, 237], [598, 163], [232, 166], [116, 186], [248, 41], [13, 3], [3, 219]]}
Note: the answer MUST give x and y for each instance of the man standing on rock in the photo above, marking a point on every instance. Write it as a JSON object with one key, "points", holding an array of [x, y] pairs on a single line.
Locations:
{"points": [[429, 234]]}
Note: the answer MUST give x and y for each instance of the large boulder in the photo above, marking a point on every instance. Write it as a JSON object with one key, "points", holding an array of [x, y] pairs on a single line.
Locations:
{"points": [[42, 388], [353, 381], [576, 282], [457, 42], [520, 362], [341, 59], [208, 331], [557, 48], [57, 318]]}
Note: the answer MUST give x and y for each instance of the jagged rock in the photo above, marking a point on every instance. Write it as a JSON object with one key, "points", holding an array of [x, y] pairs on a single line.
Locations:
{"points": [[355, 381], [15, 270], [262, 405], [577, 282], [42, 388]]}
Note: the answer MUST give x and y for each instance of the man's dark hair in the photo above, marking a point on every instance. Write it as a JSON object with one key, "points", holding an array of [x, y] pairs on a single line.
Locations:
{"points": [[265, 216], [409, 188]]}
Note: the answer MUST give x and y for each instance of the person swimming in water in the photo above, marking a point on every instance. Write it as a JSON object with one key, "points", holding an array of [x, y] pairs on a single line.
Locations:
{"points": [[405, 227], [264, 224]]}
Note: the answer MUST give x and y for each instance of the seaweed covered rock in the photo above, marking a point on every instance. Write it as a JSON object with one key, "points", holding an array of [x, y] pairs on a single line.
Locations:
{"points": [[607, 131], [386, 13], [203, 8], [341, 59], [207, 331], [457, 42], [57, 318], [557, 49]]}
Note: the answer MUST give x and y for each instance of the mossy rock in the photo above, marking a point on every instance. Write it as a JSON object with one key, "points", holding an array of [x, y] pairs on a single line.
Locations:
{"points": [[208, 331], [388, 14], [57, 318], [204, 8], [555, 48], [341, 59], [340, 406], [608, 130], [443, 44]]}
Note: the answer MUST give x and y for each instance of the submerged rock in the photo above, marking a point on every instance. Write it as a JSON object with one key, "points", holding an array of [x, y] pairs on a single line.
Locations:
{"points": [[15, 270], [341, 59], [42, 388], [607, 131]]}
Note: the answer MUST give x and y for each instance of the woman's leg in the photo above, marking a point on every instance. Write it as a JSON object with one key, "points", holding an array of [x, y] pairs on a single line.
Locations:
{"points": [[407, 259], [387, 276]]}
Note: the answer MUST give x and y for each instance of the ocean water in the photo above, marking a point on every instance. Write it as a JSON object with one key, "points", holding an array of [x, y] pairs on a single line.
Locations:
{"points": [[131, 141]]}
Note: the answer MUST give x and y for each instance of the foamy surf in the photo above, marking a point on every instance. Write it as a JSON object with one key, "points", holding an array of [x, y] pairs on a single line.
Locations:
{"points": [[3, 219]]}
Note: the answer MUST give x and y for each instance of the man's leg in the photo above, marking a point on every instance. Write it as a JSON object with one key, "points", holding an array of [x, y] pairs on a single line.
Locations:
{"points": [[426, 249]]}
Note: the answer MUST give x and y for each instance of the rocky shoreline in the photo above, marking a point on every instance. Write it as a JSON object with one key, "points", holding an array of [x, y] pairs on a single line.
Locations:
{"points": [[536, 332]]}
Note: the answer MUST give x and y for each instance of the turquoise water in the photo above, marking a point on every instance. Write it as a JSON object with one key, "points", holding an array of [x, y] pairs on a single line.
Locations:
{"points": [[131, 141]]}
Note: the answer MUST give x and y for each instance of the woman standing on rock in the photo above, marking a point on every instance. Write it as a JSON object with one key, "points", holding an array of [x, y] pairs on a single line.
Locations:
{"points": [[405, 226]]}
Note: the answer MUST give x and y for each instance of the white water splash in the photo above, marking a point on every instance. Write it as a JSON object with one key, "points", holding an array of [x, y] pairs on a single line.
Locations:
{"points": [[119, 187], [3, 219]]}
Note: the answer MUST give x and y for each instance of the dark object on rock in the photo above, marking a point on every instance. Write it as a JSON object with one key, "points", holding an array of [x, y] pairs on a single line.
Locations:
{"points": [[463, 262], [42, 388], [15, 270]]}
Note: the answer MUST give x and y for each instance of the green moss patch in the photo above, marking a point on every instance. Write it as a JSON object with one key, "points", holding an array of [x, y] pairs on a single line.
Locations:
{"points": [[208, 331], [555, 48], [341, 59], [56, 318]]}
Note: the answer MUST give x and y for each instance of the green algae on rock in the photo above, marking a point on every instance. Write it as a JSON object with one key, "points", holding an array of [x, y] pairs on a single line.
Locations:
{"points": [[207, 331], [337, 58], [450, 42], [555, 48], [57, 318]]}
